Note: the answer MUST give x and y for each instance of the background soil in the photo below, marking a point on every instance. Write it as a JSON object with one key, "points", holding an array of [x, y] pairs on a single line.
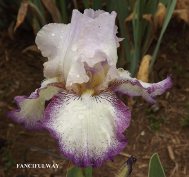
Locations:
{"points": [[21, 73]]}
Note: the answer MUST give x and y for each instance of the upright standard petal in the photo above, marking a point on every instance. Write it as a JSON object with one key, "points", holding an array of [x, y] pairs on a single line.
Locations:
{"points": [[88, 128], [89, 38], [133, 87], [58, 42], [99, 35], [52, 40], [31, 109]]}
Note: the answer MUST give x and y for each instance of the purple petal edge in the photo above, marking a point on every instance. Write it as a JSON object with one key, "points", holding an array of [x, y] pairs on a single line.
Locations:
{"points": [[18, 99], [165, 84], [85, 161], [161, 86], [13, 114]]}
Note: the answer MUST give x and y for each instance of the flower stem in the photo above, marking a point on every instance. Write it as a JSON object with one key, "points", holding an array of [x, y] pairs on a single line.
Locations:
{"points": [[88, 171], [74, 171]]}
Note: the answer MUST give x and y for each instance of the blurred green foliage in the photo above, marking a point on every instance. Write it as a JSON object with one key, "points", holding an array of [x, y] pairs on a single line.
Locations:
{"points": [[155, 121], [7, 157], [185, 121], [174, 47]]}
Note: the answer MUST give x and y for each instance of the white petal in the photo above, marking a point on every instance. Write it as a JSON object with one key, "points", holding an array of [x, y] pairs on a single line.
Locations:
{"points": [[88, 128], [98, 57], [77, 74], [31, 109], [58, 42], [48, 81], [52, 38], [93, 14]]}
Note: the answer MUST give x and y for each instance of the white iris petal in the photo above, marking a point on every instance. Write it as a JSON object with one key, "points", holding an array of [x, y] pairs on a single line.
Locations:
{"points": [[84, 115]]}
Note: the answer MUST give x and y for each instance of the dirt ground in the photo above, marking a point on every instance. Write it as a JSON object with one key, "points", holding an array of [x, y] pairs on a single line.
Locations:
{"points": [[21, 73]]}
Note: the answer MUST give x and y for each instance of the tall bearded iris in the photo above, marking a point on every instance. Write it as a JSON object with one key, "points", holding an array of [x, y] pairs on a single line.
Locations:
{"points": [[84, 114]]}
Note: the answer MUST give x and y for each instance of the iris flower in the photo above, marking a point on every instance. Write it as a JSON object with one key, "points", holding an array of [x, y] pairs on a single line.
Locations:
{"points": [[84, 114]]}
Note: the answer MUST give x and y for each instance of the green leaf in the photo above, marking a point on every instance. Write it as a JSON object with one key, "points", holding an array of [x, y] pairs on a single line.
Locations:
{"points": [[169, 12], [88, 171], [151, 7], [137, 33], [74, 171], [123, 12], [110, 5], [39, 5], [86, 4], [64, 11], [97, 4], [164, 2], [155, 167], [34, 8]]}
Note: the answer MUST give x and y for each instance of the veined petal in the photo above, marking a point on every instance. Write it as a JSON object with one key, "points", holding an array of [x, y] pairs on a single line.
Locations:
{"points": [[31, 109], [88, 128], [133, 87]]}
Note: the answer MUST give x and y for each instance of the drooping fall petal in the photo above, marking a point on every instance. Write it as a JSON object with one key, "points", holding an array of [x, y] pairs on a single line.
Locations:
{"points": [[133, 87], [88, 128], [31, 109]]}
